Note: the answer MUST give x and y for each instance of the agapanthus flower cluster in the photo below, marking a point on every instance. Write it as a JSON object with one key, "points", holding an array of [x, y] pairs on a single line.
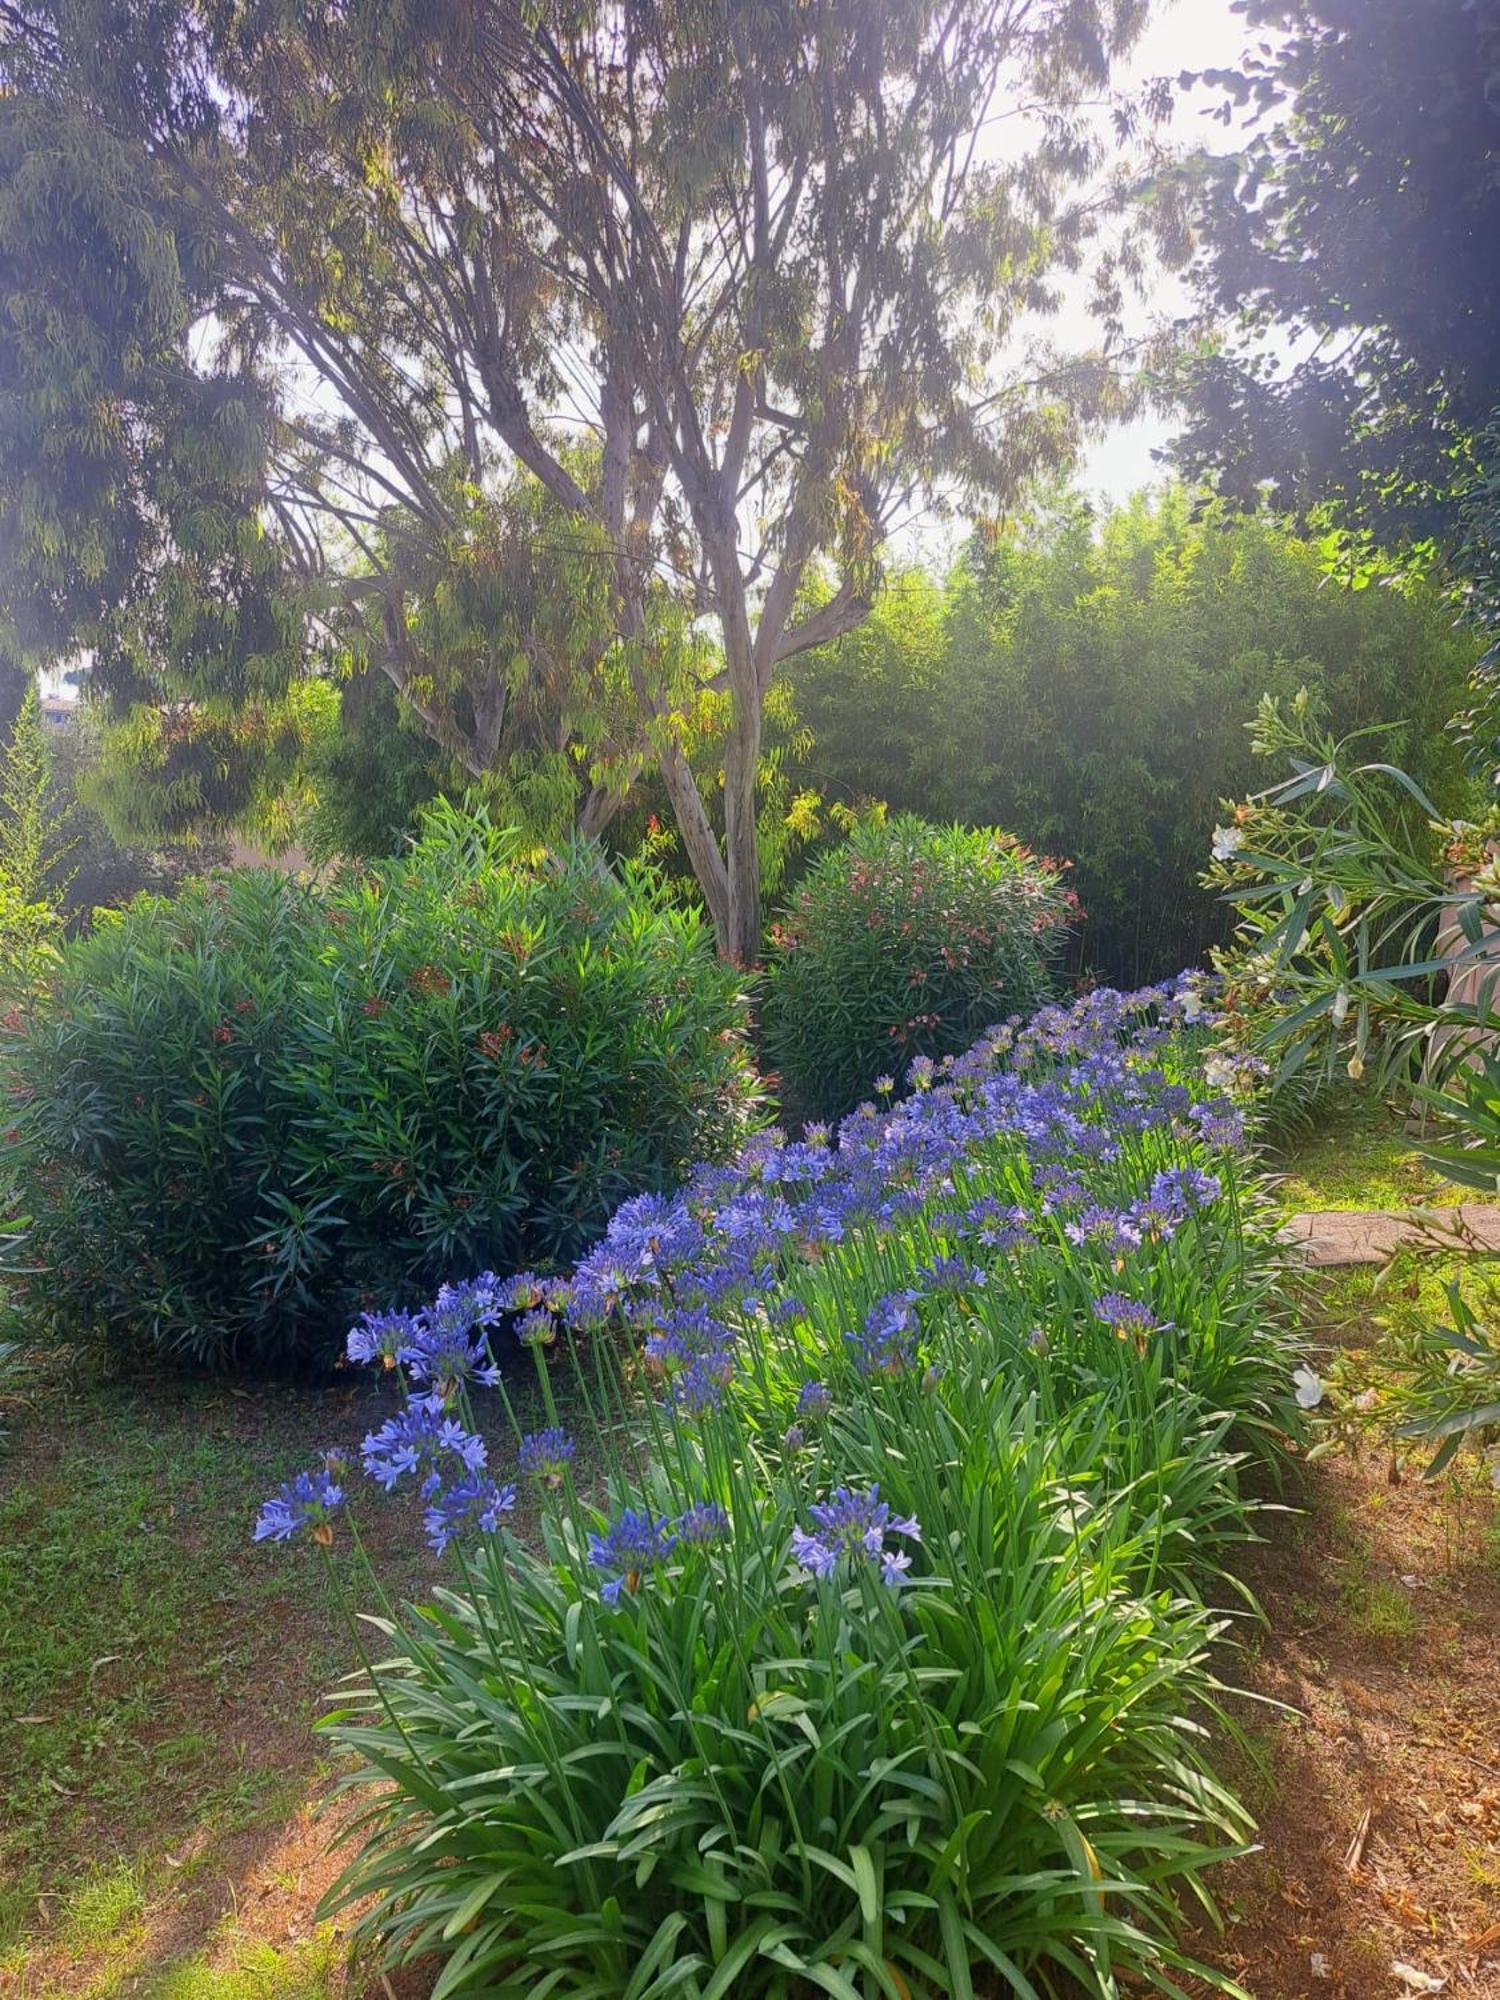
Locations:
{"points": [[697, 1277], [996, 1225], [444, 1353], [380, 1338], [854, 1527], [949, 1274], [421, 1439], [814, 1399], [474, 1503], [443, 1345], [521, 1291], [887, 1343], [547, 1454], [306, 1501], [629, 1550], [1064, 1087], [1221, 1124], [703, 1526], [1174, 1195], [1129, 1318]]}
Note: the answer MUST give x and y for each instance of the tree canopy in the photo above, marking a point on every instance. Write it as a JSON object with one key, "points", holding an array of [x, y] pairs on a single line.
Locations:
{"points": [[566, 364], [1354, 246]]}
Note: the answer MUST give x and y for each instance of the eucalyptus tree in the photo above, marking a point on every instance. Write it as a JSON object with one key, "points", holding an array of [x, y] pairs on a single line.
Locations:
{"points": [[569, 362]]}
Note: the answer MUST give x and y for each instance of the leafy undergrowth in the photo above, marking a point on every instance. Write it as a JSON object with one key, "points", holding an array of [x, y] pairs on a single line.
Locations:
{"points": [[158, 1774], [1360, 1156]]}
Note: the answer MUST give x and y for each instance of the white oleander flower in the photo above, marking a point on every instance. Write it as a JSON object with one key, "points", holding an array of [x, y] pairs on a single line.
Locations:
{"points": [[1309, 1387], [1228, 840]]}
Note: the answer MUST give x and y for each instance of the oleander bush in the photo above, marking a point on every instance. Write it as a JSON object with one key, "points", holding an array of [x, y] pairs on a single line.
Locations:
{"points": [[907, 941], [876, 1651], [251, 1111]]}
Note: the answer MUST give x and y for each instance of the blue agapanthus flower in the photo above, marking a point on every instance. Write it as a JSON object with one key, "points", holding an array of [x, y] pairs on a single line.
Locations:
{"points": [[304, 1502], [887, 1345], [536, 1328], [468, 1302], [421, 1438], [703, 1525], [546, 1455], [997, 1226], [854, 1526], [814, 1399], [1108, 1229], [1186, 1188], [380, 1337], [633, 1546], [469, 1503], [1130, 1318], [687, 1333], [442, 1351], [519, 1292], [949, 1274], [699, 1390], [1221, 1124]]}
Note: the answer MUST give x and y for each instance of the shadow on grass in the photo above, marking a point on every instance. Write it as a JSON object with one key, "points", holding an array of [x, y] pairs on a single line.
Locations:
{"points": [[159, 1773]]}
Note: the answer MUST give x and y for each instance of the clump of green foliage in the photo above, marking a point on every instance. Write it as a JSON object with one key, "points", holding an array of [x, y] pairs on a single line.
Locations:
{"points": [[29, 922], [1365, 943], [1086, 678], [870, 1663], [28, 944], [904, 943], [251, 1110]]}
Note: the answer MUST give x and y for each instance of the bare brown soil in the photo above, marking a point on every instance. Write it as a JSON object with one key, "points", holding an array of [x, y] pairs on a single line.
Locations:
{"points": [[1377, 1784]]}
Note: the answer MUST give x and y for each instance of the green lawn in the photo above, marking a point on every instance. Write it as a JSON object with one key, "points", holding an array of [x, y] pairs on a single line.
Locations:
{"points": [[1358, 1155], [161, 1675]]}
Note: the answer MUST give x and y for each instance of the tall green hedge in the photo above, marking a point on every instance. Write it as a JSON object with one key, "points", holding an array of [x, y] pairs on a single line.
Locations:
{"points": [[250, 1113], [1088, 679]]}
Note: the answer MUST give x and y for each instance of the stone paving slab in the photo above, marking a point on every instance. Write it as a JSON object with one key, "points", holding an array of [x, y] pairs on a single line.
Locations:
{"points": [[1332, 1236]]}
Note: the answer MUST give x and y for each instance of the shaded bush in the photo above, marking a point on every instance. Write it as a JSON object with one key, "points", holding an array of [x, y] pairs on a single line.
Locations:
{"points": [[255, 1109], [905, 942]]}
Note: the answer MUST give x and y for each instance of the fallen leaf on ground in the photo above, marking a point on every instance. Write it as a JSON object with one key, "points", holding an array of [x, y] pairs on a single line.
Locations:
{"points": [[1417, 1980]]}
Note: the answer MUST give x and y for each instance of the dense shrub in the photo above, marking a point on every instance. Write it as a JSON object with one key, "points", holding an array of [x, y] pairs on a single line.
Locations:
{"points": [[753, 1728], [1086, 681], [29, 936], [905, 942], [254, 1109]]}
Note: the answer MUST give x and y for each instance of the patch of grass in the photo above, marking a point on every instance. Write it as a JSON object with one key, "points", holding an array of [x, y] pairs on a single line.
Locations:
{"points": [[17, 1910], [1360, 1157], [1389, 1306], [104, 1910], [1379, 1609], [256, 1972], [161, 1672], [122, 1555]]}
